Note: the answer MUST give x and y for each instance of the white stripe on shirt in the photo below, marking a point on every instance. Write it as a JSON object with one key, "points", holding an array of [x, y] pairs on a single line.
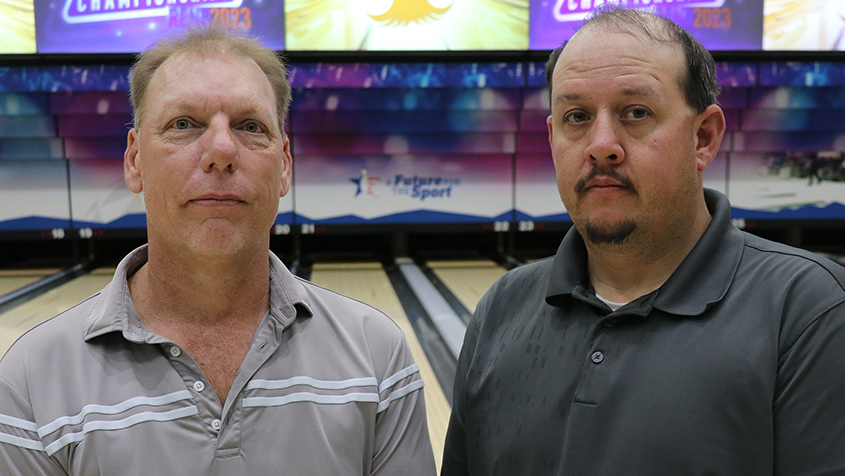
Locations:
{"points": [[22, 442], [397, 394], [112, 410], [18, 423], [119, 425], [311, 382], [389, 381], [310, 397]]}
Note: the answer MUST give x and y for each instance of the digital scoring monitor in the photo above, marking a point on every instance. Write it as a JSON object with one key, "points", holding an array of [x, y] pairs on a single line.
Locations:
{"points": [[130, 26], [806, 25], [17, 26], [717, 24], [381, 25]]}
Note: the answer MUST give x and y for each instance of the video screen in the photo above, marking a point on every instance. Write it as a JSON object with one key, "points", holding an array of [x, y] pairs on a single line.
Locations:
{"points": [[130, 26], [806, 25], [380, 25], [717, 24], [17, 26]]}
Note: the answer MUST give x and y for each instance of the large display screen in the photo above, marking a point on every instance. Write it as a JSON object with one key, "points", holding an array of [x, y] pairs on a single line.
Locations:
{"points": [[441, 25], [17, 26], [130, 26], [807, 25], [717, 24]]}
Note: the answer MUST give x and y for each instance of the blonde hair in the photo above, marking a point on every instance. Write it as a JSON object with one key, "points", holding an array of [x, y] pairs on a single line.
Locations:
{"points": [[206, 40]]}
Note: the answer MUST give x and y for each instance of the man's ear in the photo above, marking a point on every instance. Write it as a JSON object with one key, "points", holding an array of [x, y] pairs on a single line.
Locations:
{"points": [[287, 168], [709, 130], [131, 171]]}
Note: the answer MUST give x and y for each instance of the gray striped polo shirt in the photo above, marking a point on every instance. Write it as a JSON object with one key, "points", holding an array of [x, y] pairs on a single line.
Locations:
{"points": [[328, 387]]}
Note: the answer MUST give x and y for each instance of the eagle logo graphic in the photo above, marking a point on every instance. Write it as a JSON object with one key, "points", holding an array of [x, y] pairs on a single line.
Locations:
{"points": [[402, 12]]}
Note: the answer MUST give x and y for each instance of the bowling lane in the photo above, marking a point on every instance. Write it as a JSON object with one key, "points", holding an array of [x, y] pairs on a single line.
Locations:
{"points": [[368, 283], [14, 279], [15, 322], [468, 280]]}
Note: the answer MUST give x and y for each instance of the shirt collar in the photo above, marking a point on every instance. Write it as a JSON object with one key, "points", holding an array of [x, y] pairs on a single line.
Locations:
{"points": [[701, 280], [288, 297], [115, 312]]}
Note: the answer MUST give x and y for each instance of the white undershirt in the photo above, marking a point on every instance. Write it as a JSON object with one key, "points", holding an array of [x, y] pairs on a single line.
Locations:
{"points": [[612, 305]]}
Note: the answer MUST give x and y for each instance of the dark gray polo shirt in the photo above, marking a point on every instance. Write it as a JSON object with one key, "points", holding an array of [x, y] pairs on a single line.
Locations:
{"points": [[734, 367], [328, 387]]}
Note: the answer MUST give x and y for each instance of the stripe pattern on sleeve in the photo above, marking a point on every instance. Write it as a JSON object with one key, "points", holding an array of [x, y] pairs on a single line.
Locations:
{"points": [[70, 429], [20, 433], [274, 393]]}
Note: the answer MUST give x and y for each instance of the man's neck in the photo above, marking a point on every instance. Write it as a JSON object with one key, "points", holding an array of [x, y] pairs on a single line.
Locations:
{"points": [[180, 289], [208, 305], [624, 272]]}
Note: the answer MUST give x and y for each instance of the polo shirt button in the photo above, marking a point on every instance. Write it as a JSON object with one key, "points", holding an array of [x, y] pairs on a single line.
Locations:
{"points": [[597, 357], [175, 351], [216, 424], [199, 386], [610, 323]]}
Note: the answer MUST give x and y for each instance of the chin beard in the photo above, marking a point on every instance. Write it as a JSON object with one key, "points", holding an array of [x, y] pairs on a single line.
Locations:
{"points": [[609, 235]]}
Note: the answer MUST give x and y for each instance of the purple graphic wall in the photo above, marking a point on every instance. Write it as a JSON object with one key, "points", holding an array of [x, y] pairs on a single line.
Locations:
{"points": [[482, 151]]}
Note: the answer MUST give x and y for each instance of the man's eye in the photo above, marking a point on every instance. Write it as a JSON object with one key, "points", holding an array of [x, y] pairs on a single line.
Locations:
{"points": [[576, 117], [638, 113], [182, 124], [252, 127]]}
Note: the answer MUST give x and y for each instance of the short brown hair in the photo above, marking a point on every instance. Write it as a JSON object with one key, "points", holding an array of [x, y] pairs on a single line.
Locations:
{"points": [[698, 78], [204, 40]]}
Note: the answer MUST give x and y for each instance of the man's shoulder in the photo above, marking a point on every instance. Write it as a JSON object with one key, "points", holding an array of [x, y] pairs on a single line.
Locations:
{"points": [[346, 311], [348, 334], [525, 285], [53, 340], [778, 263], [802, 285], [529, 275]]}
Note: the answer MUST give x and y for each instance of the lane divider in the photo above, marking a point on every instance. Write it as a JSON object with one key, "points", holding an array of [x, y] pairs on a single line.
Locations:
{"points": [[33, 290], [457, 306], [440, 356], [451, 327]]}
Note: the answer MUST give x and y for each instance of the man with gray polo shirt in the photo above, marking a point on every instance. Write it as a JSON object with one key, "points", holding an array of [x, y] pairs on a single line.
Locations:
{"points": [[659, 340], [204, 355]]}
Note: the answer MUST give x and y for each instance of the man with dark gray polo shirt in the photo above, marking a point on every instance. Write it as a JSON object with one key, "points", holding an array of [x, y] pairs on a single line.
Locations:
{"points": [[659, 340], [205, 356]]}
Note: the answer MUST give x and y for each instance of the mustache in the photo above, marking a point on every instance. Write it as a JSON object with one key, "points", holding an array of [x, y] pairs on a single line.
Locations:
{"points": [[610, 172]]}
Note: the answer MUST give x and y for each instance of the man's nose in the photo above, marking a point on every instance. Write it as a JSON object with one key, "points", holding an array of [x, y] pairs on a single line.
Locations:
{"points": [[604, 146], [220, 148]]}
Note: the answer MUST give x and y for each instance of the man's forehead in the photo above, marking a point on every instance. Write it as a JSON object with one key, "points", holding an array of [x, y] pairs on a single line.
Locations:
{"points": [[177, 75], [591, 40], [592, 50], [187, 62]]}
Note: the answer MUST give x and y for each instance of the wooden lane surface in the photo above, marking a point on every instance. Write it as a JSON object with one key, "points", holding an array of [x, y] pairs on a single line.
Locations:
{"points": [[468, 280], [368, 283], [15, 322], [14, 279]]}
